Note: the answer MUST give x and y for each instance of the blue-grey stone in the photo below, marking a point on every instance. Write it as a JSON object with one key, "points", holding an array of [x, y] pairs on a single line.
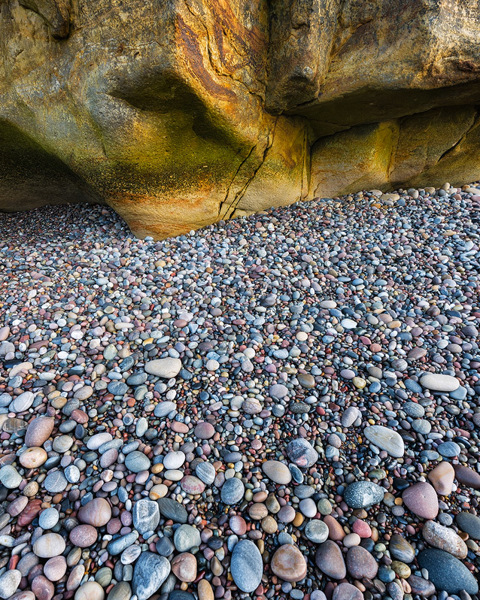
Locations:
{"points": [[449, 449], [205, 471], [118, 545], [137, 461], [447, 572], [146, 515], [232, 491], [173, 510], [150, 572], [246, 566], [117, 388], [362, 494]]}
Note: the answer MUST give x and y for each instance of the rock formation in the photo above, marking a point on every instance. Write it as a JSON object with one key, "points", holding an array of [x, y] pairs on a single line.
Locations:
{"points": [[179, 113]]}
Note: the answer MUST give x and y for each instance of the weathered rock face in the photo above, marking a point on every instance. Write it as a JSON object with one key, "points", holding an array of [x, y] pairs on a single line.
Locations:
{"points": [[184, 112]]}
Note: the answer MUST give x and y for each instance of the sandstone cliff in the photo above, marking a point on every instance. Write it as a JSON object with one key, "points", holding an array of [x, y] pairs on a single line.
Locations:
{"points": [[179, 113]]}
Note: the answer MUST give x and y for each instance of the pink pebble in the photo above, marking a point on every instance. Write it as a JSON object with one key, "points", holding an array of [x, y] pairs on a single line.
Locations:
{"points": [[362, 528]]}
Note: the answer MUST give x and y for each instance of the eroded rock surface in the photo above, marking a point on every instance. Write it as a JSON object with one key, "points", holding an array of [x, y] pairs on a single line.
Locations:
{"points": [[179, 114]]}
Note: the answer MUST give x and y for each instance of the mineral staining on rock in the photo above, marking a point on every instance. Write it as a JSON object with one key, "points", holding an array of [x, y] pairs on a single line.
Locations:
{"points": [[185, 113]]}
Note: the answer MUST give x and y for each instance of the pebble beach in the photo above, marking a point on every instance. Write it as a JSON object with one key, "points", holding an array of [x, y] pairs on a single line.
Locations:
{"points": [[282, 406]]}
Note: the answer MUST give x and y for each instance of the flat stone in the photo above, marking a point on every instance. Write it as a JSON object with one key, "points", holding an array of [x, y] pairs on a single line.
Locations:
{"points": [[22, 402], [302, 453], [439, 383], [469, 523], [98, 440], [246, 566], [146, 515], [278, 390], [10, 477], [118, 545], [173, 510], [55, 568], [33, 458], [446, 572], [277, 471], [449, 449], [90, 590], [444, 538], [42, 588], [422, 500], [421, 586], [174, 460], [164, 367], [363, 494], [184, 567], [186, 537], [289, 564], [329, 559], [48, 545], [204, 590], [83, 536], [204, 430], [164, 408], [386, 439], [350, 416], [120, 591], [149, 573], [361, 564], [48, 518], [441, 477], [97, 512]]}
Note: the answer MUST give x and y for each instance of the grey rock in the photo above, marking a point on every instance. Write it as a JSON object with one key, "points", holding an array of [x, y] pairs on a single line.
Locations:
{"points": [[146, 515], [173, 510], [316, 531], [186, 537], [232, 491], [446, 572], [246, 566], [150, 572], [362, 494]]}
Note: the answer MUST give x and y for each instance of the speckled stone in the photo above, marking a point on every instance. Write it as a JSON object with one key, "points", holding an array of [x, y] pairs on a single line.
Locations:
{"points": [[302, 453], [362, 494]]}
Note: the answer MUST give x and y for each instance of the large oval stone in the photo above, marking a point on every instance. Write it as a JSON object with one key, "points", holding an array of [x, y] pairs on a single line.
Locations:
{"points": [[246, 566], [446, 572]]}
